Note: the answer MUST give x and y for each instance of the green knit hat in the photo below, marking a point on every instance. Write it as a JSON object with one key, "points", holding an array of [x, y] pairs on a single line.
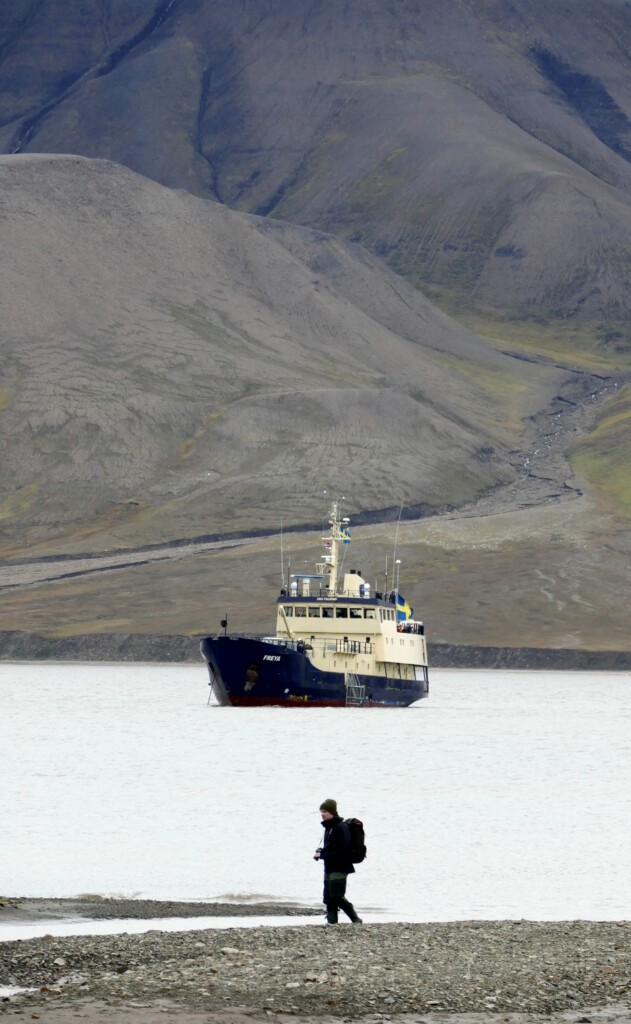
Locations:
{"points": [[329, 805]]}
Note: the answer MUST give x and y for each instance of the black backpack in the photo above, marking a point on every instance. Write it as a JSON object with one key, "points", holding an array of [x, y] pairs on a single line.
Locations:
{"points": [[358, 839]]}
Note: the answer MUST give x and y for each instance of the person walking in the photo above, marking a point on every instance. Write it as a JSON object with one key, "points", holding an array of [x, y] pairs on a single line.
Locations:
{"points": [[335, 851]]}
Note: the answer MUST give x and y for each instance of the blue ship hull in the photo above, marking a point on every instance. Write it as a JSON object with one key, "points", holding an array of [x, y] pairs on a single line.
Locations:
{"points": [[256, 671]]}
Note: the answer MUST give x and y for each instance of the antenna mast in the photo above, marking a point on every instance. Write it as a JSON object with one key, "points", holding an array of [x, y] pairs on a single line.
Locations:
{"points": [[338, 532], [396, 536]]}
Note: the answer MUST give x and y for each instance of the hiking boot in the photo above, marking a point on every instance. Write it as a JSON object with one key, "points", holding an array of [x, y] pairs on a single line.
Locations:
{"points": [[356, 920]]}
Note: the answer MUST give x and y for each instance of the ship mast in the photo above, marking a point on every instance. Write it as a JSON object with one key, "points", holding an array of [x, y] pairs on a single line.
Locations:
{"points": [[337, 535]]}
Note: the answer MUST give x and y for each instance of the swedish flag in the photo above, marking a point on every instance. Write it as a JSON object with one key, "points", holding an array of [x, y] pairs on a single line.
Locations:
{"points": [[403, 609], [345, 535]]}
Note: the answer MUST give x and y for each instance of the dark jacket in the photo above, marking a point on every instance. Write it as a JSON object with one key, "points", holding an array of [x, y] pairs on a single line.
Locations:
{"points": [[336, 849]]}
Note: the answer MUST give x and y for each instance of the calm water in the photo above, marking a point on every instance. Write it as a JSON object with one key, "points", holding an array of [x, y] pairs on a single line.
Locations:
{"points": [[506, 794]]}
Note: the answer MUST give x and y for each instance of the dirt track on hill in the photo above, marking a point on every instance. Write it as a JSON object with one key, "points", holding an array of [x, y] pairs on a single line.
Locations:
{"points": [[543, 477]]}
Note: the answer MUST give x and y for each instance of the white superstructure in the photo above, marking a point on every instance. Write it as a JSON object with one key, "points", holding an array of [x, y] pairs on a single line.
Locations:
{"points": [[344, 625]]}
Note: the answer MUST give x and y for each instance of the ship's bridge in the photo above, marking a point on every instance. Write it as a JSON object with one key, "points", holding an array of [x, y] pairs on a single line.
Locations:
{"points": [[307, 609], [350, 626], [314, 585]]}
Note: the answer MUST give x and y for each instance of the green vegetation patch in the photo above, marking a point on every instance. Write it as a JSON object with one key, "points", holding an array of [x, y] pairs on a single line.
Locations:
{"points": [[18, 502], [602, 457], [382, 184], [311, 173], [506, 393], [588, 346]]}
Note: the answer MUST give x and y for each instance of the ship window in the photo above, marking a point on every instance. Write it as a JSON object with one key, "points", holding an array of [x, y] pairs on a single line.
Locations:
{"points": [[369, 613], [314, 613], [301, 612], [341, 613], [356, 613], [289, 611], [327, 613], [390, 614]]}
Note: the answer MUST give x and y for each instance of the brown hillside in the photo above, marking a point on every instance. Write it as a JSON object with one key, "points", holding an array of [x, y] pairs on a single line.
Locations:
{"points": [[193, 343], [171, 367], [482, 148]]}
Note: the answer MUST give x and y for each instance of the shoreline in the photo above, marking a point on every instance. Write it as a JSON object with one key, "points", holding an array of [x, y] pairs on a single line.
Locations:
{"points": [[30, 909], [33, 648], [465, 972], [99, 1012]]}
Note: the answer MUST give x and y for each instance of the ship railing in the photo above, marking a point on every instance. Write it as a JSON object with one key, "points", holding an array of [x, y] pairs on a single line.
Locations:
{"points": [[328, 646], [410, 626], [358, 593], [338, 646], [354, 647], [296, 644]]}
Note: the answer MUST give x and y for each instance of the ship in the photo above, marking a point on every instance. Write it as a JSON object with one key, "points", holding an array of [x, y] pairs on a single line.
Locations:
{"points": [[338, 642]]}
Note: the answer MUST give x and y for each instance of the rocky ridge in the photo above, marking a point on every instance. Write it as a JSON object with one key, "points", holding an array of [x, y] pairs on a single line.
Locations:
{"points": [[121, 647]]}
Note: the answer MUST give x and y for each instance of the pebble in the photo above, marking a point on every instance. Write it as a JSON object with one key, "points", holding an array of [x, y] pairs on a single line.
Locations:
{"points": [[470, 967]]}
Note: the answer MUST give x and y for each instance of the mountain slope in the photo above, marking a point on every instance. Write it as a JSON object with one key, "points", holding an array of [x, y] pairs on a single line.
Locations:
{"points": [[172, 367], [482, 148]]}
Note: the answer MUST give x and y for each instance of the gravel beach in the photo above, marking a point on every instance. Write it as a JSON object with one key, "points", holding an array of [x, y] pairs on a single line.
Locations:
{"points": [[463, 973]]}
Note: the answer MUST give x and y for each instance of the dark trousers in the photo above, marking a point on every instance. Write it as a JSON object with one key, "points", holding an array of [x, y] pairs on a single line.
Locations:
{"points": [[335, 898]]}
